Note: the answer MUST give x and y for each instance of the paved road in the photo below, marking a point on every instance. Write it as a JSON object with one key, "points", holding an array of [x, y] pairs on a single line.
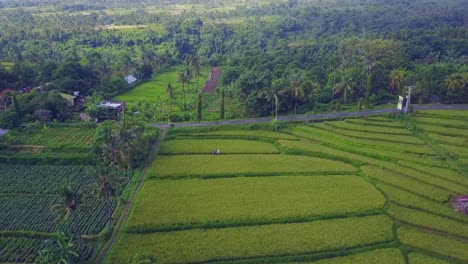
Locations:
{"points": [[313, 117]]}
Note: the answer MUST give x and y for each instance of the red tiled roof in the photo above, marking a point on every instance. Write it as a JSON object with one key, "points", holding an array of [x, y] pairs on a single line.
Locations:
{"points": [[7, 90]]}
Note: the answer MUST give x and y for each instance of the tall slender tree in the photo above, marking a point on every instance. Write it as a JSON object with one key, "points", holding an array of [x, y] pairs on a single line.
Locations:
{"points": [[72, 202], [196, 67], [183, 79], [107, 185], [345, 87], [221, 105], [199, 107], [170, 92], [396, 80], [296, 79]]}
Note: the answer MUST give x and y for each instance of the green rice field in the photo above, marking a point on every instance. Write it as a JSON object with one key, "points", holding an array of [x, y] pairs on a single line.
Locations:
{"points": [[366, 190], [207, 146], [210, 202]]}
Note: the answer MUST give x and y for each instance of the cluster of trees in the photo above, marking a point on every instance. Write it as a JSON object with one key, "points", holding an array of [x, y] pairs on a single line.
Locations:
{"points": [[344, 52], [62, 249], [122, 144], [117, 145]]}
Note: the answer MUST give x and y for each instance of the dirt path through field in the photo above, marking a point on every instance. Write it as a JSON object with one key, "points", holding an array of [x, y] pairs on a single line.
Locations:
{"points": [[210, 86], [124, 216]]}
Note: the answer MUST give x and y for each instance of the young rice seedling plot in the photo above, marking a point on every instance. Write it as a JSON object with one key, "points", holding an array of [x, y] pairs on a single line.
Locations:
{"points": [[352, 191]]}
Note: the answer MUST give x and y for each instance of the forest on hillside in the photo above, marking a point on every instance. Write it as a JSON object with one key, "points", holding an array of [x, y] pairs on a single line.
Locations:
{"points": [[294, 55]]}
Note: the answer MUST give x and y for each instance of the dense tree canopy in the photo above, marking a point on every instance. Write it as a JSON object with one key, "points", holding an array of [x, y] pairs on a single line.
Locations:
{"points": [[350, 49]]}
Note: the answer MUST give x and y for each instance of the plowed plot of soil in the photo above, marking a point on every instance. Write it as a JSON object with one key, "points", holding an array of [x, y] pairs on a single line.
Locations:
{"points": [[210, 86]]}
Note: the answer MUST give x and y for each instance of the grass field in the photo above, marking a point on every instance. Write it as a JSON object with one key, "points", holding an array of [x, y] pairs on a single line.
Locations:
{"points": [[155, 90], [353, 191]]}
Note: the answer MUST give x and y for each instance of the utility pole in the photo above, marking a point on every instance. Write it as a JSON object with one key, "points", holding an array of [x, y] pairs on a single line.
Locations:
{"points": [[408, 99]]}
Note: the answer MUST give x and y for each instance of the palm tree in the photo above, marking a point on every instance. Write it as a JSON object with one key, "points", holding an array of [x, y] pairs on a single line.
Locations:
{"points": [[72, 201], [369, 66], [455, 81], [107, 185], [195, 64], [315, 91], [183, 78], [396, 79], [295, 82], [273, 94], [345, 87], [170, 91], [125, 133]]}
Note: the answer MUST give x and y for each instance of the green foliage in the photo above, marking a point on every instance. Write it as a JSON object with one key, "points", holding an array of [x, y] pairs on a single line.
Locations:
{"points": [[116, 143], [61, 251], [224, 165], [254, 241], [162, 205], [207, 146], [26, 249], [9, 119]]}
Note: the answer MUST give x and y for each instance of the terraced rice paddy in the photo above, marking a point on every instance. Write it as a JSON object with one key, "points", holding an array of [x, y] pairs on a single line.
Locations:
{"points": [[352, 191]]}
